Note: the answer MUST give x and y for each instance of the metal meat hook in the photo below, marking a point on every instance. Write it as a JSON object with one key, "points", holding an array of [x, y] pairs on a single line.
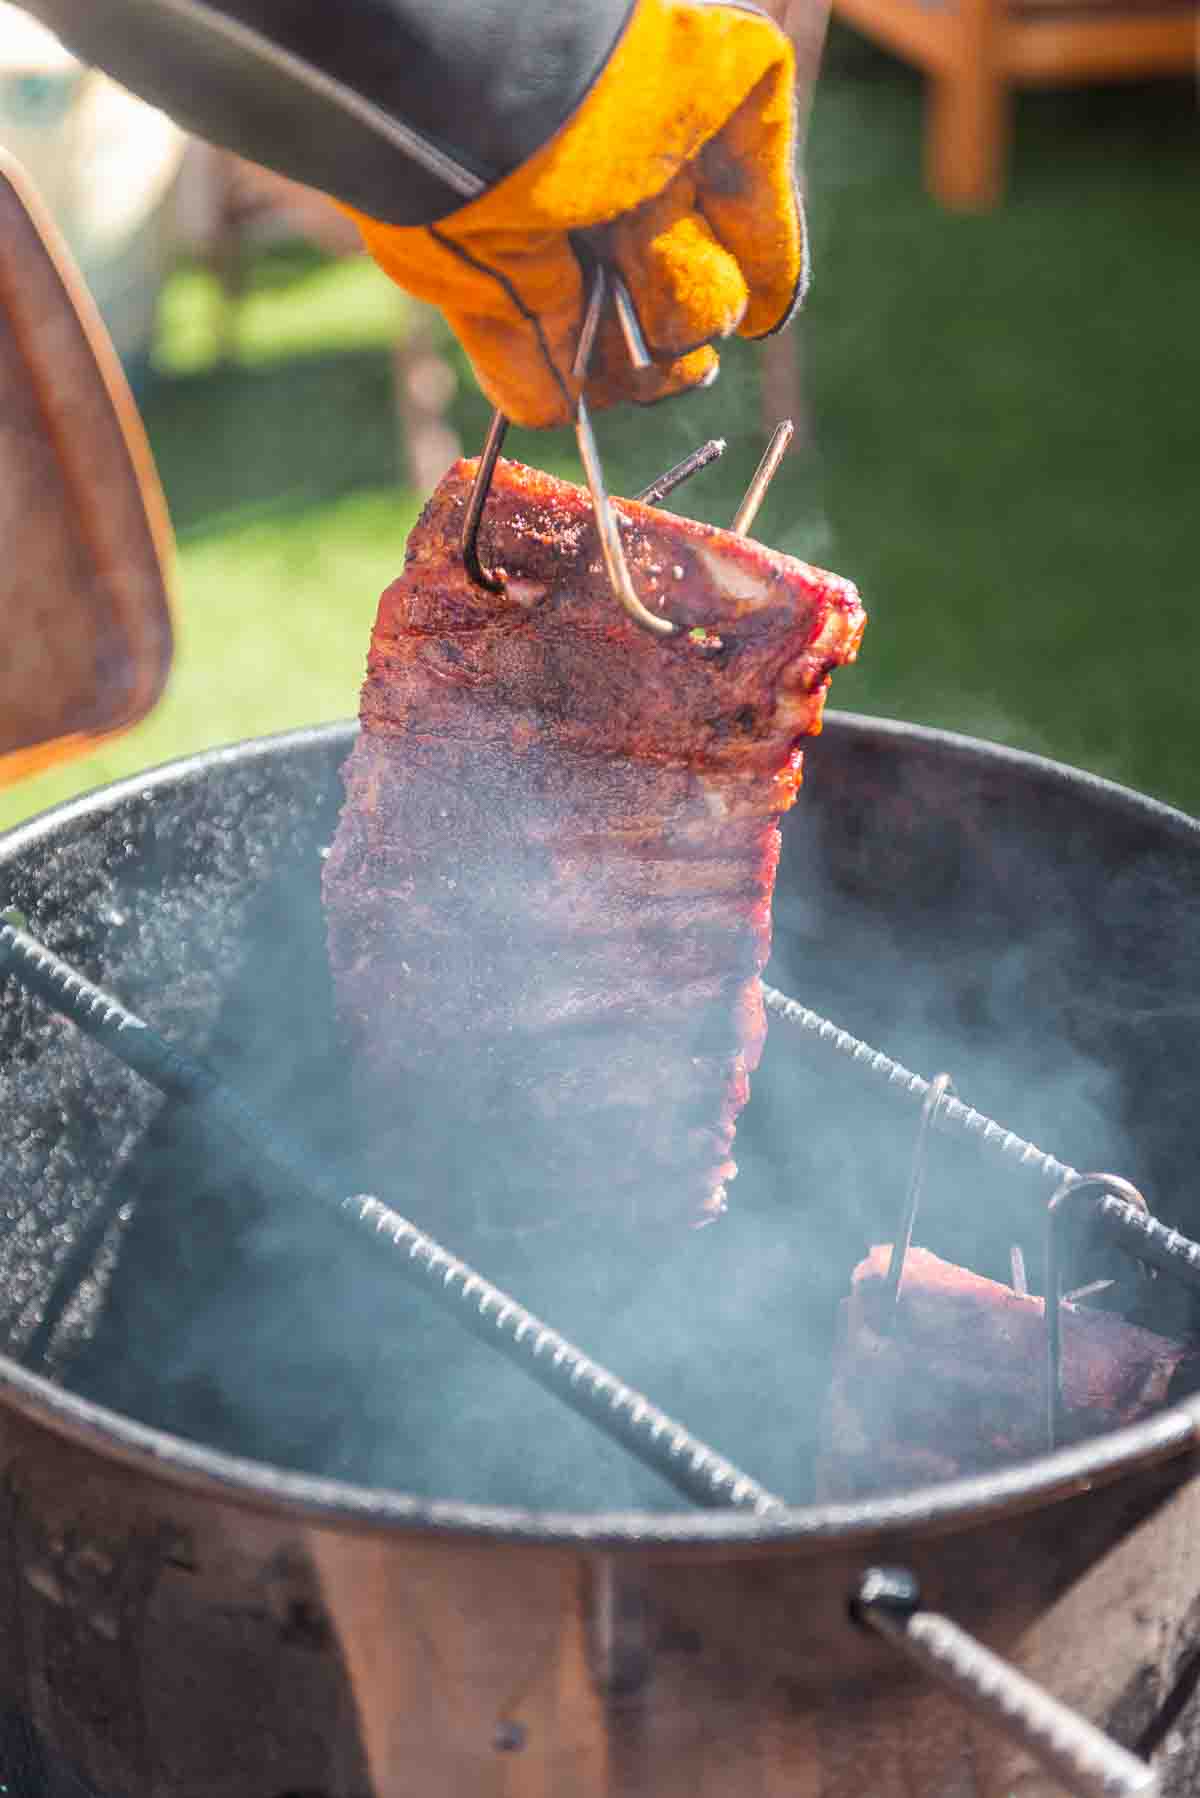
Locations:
{"points": [[489, 455], [1073, 1188], [940, 1087], [604, 285], [611, 547]]}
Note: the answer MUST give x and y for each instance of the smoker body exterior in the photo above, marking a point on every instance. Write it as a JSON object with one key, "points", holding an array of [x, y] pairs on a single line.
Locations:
{"points": [[177, 1621], [170, 1629]]}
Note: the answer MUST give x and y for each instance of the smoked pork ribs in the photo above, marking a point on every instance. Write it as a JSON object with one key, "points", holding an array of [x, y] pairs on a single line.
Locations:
{"points": [[953, 1381], [549, 897]]}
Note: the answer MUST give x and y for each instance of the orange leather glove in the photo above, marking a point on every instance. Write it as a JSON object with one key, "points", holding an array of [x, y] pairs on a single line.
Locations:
{"points": [[677, 169]]}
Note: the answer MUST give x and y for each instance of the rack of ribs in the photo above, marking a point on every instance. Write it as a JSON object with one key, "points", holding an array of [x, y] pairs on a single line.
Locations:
{"points": [[549, 895], [953, 1381]]}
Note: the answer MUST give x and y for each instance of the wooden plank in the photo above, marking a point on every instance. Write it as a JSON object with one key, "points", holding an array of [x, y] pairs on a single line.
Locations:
{"points": [[920, 34], [1102, 46], [966, 138]]}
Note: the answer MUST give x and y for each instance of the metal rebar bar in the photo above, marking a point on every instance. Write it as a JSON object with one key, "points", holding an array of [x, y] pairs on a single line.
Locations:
{"points": [[953, 1117], [1144, 1236], [683, 471], [625, 1415], [1087, 1762], [1139, 1234]]}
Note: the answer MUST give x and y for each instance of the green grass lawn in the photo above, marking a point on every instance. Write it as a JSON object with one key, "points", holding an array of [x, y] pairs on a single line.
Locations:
{"points": [[1009, 422], [1006, 448]]}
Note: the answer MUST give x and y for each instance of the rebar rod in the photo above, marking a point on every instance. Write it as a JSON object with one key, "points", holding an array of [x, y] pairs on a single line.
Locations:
{"points": [[625, 1415], [1087, 1762], [1137, 1232], [1144, 1236], [953, 1117]]}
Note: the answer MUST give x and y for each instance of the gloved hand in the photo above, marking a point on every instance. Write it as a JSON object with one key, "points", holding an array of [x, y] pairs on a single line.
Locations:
{"points": [[677, 169]]}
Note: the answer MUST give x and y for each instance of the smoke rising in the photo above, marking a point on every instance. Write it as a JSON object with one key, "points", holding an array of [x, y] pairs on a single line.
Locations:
{"points": [[960, 911]]}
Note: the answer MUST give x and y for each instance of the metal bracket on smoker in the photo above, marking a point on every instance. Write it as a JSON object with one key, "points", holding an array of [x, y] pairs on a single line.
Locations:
{"points": [[605, 285], [1088, 1763]]}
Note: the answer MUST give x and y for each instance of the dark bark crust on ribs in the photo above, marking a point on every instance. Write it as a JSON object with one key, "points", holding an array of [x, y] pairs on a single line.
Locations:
{"points": [[958, 1384], [549, 895]]}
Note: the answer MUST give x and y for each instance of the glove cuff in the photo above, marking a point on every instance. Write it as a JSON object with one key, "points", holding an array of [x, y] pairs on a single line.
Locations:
{"points": [[695, 93], [677, 74]]}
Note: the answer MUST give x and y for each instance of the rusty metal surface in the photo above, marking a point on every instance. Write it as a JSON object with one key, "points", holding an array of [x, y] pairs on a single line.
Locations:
{"points": [[164, 1641]]}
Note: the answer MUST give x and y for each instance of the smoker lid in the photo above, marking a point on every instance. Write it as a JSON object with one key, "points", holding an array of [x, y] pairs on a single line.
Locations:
{"points": [[83, 583]]}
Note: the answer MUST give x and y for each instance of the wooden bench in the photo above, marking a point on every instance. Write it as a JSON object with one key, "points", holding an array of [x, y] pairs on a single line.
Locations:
{"points": [[976, 52]]}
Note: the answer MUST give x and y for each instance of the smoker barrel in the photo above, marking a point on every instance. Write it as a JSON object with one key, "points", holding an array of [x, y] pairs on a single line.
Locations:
{"points": [[192, 1604]]}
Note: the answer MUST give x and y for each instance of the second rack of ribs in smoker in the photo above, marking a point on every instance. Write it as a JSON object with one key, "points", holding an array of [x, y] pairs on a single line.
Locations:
{"points": [[549, 897]]}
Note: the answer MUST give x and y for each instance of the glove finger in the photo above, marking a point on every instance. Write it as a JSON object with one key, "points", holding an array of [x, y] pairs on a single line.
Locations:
{"points": [[685, 284], [746, 188], [518, 319], [513, 299], [699, 368], [511, 368], [615, 382]]}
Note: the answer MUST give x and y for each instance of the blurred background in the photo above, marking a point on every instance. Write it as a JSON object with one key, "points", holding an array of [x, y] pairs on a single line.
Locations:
{"points": [[996, 381]]}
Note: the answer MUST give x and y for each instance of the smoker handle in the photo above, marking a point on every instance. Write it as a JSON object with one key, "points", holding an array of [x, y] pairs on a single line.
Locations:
{"points": [[1087, 1762]]}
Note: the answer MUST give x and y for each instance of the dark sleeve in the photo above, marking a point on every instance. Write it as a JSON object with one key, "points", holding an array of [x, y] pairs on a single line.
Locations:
{"points": [[405, 109]]}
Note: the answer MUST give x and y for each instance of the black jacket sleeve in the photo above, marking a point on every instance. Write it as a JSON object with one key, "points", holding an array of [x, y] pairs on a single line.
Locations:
{"points": [[405, 109]]}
